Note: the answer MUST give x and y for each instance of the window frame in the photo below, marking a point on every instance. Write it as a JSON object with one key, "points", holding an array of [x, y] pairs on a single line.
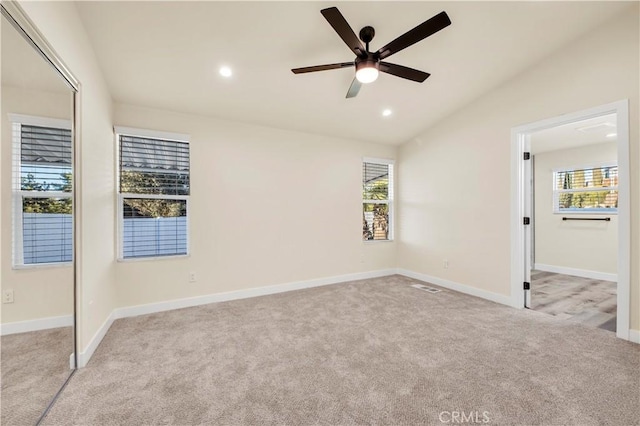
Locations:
{"points": [[18, 195], [151, 134], [557, 192], [390, 198]]}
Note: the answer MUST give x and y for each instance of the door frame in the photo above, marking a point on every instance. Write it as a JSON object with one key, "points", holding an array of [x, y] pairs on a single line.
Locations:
{"points": [[520, 205]]}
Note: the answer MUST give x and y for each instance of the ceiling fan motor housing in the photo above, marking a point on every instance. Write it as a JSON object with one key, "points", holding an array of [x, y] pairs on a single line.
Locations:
{"points": [[369, 62]]}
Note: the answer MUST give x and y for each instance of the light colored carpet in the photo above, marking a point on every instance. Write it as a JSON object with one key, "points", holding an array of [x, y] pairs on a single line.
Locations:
{"points": [[584, 300], [368, 352], [34, 367]]}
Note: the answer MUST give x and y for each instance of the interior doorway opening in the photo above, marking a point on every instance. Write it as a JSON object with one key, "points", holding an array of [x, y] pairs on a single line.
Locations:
{"points": [[574, 221], [571, 217]]}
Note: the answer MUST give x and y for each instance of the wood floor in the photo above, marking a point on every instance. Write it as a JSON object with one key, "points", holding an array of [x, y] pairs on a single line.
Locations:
{"points": [[584, 300]]}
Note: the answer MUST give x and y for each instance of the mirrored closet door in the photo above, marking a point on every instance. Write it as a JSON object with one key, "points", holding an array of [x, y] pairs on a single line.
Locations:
{"points": [[37, 345]]}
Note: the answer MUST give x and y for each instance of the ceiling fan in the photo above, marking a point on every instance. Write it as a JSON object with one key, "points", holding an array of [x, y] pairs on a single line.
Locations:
{"points": [[368, 64]]}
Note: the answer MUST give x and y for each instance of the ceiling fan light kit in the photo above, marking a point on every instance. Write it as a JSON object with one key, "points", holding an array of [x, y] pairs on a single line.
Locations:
{"points": [[369, 64], [367, 71]]}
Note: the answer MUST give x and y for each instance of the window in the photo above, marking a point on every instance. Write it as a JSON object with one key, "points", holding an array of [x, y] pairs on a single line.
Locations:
{"points": [[586, 190], [377, 199], [154, 193], [42, 191]]}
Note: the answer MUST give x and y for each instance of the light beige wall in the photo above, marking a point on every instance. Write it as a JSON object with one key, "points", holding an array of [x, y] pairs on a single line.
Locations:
{"points": [[267, 207], [60, 24], [586, 245], [39, 292], [454, 197]]}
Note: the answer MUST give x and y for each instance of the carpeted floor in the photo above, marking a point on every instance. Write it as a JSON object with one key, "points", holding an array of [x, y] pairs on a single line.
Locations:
{"points": [[368, 352], [35, 365], [584, 300]]}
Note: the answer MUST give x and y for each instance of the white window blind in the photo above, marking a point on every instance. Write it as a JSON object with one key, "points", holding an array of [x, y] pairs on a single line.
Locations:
{"points": [[377, 200], [42, 193], [154, 195], [586, 190]]}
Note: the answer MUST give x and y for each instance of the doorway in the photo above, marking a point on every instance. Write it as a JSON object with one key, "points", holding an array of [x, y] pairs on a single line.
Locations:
{"points": [[570, 217], [574, 221]]}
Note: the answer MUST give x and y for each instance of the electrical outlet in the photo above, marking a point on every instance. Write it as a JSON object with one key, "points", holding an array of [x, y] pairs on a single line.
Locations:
{"points": [[192, 277], [445, 264], [7, 296]]}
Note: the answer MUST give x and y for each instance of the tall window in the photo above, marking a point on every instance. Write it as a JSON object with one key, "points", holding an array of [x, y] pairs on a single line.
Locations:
{"points": [[587, 190], [154, 194], [377, 199], [42, 191]]}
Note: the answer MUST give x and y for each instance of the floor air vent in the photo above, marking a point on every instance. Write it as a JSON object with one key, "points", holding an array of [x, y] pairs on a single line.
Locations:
{"points": [[425, 288]]}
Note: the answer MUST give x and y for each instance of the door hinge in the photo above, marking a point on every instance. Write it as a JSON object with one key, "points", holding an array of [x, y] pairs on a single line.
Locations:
{"points": [[527, 156], [526, 285], [526, 220]]}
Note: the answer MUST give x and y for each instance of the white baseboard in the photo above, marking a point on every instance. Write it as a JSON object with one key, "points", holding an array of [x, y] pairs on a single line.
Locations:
{"points": [[584, 273], [634, 336], [132, 311], [462, 288], [36, 325], [85, 356]]}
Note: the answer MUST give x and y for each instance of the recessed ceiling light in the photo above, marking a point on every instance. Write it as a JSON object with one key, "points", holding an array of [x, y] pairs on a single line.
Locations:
{"points": [[611, 135], [386, 112], [225, 71]]}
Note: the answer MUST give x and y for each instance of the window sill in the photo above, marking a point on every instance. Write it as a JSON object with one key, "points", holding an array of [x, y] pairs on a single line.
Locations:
{"points": [[152, 258], [596, 213], [376, 241], [42, 266]]}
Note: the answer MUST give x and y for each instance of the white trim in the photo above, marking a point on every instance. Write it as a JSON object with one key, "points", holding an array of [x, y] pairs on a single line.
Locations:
{"points": [[634, 336], [151, 258], [22, 266], [85, 356], [585, 166], [153, 196], [518, 137], [31, 120], [462, 288], [584, 273], [131, 311], [387, 161], [36, 325], [154, 134]]}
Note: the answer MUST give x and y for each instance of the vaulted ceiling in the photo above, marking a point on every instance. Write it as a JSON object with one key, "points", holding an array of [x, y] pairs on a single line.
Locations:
{"points": [[167, 55]]}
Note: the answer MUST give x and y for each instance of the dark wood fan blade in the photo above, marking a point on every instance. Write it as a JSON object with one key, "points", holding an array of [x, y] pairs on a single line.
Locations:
{"points": [[322, 67], [354, 88], [422, 31], [404, 72], [340, 25]]}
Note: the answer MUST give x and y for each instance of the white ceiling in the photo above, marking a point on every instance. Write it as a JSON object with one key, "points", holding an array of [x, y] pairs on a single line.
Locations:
{"points": [[24, 68], [573, 135], [167, 54]]}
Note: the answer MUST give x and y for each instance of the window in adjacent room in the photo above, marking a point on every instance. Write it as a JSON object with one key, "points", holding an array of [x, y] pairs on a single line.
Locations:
{"points": [[377, 200], [586, 190], [42, 191], [153, 193]]}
